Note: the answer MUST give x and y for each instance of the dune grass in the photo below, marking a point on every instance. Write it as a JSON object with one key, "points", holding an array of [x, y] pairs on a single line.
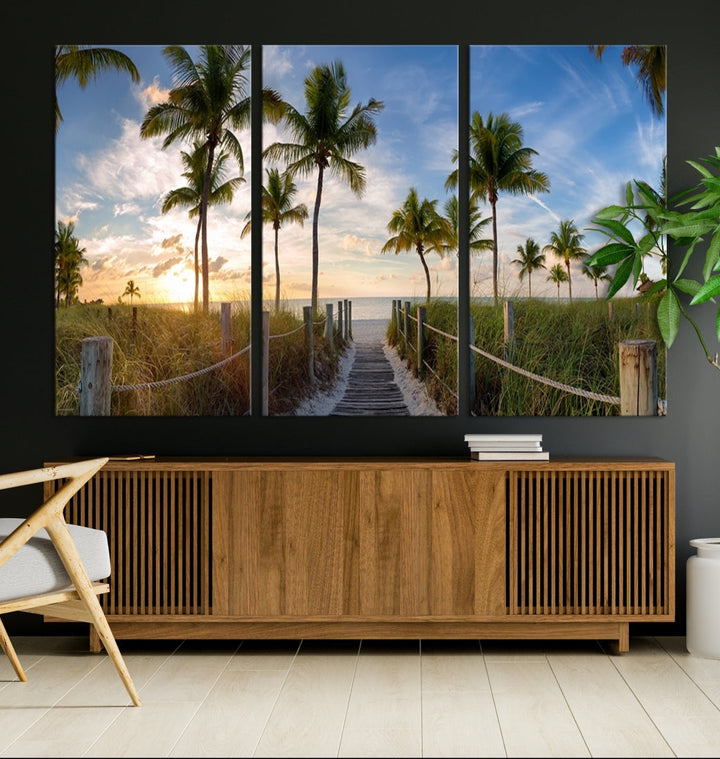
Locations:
{"points": [[164, 343], [573, 344]]}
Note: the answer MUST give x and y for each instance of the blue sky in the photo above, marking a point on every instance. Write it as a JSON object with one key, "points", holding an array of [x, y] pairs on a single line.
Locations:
{"points": [[586, 118]]}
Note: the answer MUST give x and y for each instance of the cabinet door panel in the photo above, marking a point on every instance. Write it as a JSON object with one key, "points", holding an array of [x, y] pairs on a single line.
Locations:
{"points": [[283, 541]]}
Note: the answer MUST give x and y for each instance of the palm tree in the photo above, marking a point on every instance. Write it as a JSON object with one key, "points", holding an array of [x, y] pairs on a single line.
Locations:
{"points": [[651, 64], [596, 274], [84, 63], [278, 196], [477, 225], [131, 290], [325, 137], [69, 257], [209, 101], [565, 243], [557, 275], [530, 260], [417, 225], [221, 191], [499, 162]]}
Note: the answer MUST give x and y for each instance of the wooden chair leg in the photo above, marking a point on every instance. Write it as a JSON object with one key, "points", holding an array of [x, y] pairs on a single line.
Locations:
{"points": [[71, 559], [7, 647]]}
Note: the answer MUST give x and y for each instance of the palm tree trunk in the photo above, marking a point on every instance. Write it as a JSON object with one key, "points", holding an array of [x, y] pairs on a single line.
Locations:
{"points": [[567, 266], [203, 214], [495, 253], [427, 271], [197, 264], [529, 284], [277, 273], [315, 249]]}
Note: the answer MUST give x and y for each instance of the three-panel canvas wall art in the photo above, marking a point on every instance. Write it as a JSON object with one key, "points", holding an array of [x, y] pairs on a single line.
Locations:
{"points": [[336, 256]]}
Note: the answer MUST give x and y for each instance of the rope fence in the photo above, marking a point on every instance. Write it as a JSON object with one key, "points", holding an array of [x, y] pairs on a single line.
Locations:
{"points": [[637, 363], [95, 386]]}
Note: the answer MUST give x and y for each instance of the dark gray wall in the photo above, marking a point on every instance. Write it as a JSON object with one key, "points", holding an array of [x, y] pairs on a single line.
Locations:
{"points": [[31, 434]]}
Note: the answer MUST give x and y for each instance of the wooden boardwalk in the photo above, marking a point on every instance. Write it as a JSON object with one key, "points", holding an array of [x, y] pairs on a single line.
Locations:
{"points": [[371, 389]]}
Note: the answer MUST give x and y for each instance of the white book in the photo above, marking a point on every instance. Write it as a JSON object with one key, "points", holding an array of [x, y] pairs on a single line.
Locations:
{"points": [[510, 455], [531, 437], [504, 446]]}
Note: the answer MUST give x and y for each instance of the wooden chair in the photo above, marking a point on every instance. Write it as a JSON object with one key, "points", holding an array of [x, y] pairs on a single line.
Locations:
{"points": [[50, 567]]}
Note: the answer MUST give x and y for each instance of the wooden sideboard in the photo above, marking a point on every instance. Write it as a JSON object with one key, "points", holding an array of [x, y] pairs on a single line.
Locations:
{"points": [[384, 547]]}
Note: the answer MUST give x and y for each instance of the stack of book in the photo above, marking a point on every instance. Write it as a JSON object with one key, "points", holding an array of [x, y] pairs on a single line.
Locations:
{"points": [[506, 447]]}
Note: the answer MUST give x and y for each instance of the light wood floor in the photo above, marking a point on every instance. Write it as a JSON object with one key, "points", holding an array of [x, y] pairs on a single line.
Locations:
{"points": [[362, 698]]}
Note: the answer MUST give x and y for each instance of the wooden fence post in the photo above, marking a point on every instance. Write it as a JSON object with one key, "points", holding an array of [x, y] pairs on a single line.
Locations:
{"points": [[421, 342], [406, 329], [638, 378], [329, 327], [225, 329], [340, 321], [347, 320], [472, 390], [508, 329], [265, 371], [95, 376], [308, 318]]}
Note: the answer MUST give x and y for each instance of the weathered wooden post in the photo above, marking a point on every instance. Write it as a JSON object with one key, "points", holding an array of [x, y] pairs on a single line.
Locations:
{"points": [[349, 319], [95, 376], [508, 329], [406, 329], [329, 327], [308, 319], [346, 334], [421, 342], [638, 378], [225, 329], [472, 365], [265, 369], [340, 321]]}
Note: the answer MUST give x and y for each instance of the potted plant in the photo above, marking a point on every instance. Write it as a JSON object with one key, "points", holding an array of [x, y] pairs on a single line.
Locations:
{"points": [[692, 218], [687, 228]]}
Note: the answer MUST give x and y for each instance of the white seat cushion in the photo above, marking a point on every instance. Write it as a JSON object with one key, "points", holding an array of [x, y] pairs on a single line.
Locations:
{"points": [[36, 568]]}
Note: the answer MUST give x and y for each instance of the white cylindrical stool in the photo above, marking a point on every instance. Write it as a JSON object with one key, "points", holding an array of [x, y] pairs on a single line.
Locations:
{"points": [[702, 633]]}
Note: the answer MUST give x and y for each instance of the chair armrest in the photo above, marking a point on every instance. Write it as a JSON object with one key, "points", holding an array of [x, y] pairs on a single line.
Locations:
{"points": [[59, 472], [77, 474]]}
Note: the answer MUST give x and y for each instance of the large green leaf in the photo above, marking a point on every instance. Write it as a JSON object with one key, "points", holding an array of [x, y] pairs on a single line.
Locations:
{"points": [[618, 229], [610, 254], [709, 290], [668, 316], [689, 286], [610, 212], [712, 257], [622, 274]]}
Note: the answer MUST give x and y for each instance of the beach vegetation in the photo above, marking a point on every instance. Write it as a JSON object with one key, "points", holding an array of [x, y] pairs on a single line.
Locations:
{"points": [[566, 244], [417, 225], [499, 162], [530, 259], [209, 103], [84, 63], [278, 197], [69, 260], [190, 195], [325, 138]]}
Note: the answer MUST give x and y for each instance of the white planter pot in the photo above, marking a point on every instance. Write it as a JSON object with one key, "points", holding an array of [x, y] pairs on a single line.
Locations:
{"points": [[702, 634]]}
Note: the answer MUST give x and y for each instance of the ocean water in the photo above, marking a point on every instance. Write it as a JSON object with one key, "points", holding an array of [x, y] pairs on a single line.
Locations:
{"points": [[362, 308]]}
